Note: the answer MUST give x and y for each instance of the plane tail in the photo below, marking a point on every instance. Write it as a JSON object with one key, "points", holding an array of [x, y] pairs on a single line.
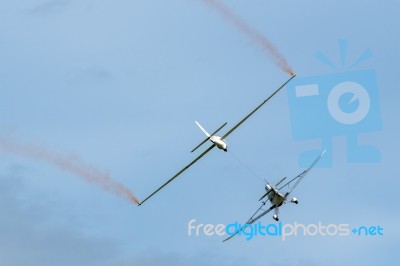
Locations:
{"points": [[202, 129]]}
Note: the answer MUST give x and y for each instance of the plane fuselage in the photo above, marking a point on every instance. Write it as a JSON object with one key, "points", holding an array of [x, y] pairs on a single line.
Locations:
{"points": [[276, 197], [220, 143]]}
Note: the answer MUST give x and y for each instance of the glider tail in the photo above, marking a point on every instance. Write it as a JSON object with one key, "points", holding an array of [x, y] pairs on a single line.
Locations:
{"points": [[202, 129]]}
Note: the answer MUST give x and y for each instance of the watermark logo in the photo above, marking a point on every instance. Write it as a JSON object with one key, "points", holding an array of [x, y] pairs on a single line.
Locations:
{"points": [[280, 230], [344, 103]]}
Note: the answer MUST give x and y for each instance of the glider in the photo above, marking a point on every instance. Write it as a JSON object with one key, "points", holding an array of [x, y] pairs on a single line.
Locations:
{"points": [[217, 141]]}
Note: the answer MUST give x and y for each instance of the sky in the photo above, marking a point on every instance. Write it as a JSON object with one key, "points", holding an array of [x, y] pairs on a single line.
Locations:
{"points": [[117, 86]]}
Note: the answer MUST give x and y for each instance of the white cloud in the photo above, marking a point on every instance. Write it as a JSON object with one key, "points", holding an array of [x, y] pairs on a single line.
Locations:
{"points": [[49, 7]]}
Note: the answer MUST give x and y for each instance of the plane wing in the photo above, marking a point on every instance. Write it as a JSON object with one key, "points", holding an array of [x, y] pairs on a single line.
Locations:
{"points": [[180, 172], [302, 175], [255, 109], [253, 219]]}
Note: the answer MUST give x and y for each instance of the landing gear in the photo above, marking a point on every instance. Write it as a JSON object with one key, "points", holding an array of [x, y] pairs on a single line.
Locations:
{"points": [[276, 218]]}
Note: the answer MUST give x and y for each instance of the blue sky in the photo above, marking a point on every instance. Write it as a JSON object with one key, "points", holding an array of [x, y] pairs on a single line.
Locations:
{"points": [[120, 83]]}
